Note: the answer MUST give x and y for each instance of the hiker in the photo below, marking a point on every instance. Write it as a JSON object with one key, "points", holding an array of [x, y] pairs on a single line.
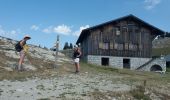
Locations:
{"points": [[76, 56], [22, 48]]}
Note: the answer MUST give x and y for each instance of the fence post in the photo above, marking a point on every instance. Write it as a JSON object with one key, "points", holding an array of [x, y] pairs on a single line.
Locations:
{"points": [[57, 50]]}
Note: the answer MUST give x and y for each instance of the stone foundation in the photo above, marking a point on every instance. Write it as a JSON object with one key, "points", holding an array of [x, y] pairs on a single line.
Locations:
{"points": [[117, 62]]}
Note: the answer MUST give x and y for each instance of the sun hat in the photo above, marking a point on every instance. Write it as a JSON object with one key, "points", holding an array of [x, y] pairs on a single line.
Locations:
{"points": [[27, 36], [75, 46]]}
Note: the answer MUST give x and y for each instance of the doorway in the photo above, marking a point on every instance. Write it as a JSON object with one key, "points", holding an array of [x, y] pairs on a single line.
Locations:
{"points": [[105, 62], [126, 63], [156, 68]]}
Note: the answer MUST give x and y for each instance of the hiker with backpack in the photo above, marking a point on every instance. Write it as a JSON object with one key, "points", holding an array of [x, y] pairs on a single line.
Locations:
{"points": [[76, 57], [22, 48]]}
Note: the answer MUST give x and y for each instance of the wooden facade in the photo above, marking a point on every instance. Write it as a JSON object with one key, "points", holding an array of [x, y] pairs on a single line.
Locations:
{"points": [[128, 36]]}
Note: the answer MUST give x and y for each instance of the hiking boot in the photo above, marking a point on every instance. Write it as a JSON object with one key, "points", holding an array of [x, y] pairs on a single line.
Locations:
{"points": [[76, 72]]}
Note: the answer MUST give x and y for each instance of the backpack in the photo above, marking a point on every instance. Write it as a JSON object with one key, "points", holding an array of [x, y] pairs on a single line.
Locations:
{"points": [[18, 47]]}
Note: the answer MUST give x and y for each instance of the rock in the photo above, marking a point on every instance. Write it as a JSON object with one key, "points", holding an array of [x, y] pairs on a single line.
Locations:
{"points": [[19, 90], [113, 98], [29, 67], [7, 68]]}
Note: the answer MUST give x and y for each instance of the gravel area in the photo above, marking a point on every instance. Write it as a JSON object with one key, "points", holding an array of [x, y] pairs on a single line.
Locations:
{"points": [[68, 86]]}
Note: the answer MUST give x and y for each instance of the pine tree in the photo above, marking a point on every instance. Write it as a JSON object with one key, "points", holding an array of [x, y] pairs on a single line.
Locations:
{"points": [[66, 46], [71, 46]]}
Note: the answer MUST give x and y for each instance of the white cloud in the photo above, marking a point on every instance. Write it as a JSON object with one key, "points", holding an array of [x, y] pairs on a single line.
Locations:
{"points": [[34, 27], [77, 33], [5, 33], [48, 29], [150, 4], [62, 29]]}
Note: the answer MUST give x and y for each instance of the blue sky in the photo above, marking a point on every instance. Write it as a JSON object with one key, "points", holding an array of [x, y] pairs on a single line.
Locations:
{"points": [[44, 19]]}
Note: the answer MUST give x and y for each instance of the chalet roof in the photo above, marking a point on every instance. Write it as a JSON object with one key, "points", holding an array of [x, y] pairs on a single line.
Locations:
{"points": [[85, 32]]}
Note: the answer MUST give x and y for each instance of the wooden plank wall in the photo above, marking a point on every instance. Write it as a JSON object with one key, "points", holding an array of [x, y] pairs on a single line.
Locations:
{"points": [[135, 40]]}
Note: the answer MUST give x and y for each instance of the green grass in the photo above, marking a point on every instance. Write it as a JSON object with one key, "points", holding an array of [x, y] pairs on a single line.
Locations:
{"points": [[168, 70], [97, 68], [129, 75], [44, 99], [160, 51], [138, 93]]}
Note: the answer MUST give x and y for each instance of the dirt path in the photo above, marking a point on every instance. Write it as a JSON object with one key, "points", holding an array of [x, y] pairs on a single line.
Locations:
{"points": [[90, 84], [64, 86]]}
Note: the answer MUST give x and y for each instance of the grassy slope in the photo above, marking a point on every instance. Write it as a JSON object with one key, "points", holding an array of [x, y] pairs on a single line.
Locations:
{"points": [[154, 81], [159, 51]]}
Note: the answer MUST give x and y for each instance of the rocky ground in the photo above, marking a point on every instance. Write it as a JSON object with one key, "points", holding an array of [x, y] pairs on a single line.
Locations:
{"points": [[36, 58], [43, 79], [70, 86], [161, 42], [92, 83]]}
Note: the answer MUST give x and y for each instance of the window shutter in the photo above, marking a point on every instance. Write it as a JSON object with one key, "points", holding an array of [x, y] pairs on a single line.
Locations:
{"points": [[100, 45], [120, 46], [140, 46], [126, 46], [131, 46], [111, 45], [117, 32], [115, 46]]}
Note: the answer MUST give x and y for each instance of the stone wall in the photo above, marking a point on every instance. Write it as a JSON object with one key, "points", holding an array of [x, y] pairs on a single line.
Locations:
{"points": [[137, 62], [117, 62], [94, 59], [158, 61]]}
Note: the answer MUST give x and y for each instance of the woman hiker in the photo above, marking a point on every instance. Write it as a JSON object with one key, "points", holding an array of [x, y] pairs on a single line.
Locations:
{"points": [[20, 48], [76, 55]]}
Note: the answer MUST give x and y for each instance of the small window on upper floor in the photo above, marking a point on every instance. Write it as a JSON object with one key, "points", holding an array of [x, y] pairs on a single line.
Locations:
{"points": [[106, 45], [117, 31], [124, 29], [100, 45]]}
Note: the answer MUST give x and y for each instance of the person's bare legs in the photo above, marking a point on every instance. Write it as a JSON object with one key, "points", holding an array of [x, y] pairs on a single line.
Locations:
{"points": [[21, 60], [77, 67]]}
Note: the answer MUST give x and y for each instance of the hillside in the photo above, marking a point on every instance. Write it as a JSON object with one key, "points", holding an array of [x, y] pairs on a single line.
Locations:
{"points": [[161, 42], [161, 46], [41, 81], [36, 57]]}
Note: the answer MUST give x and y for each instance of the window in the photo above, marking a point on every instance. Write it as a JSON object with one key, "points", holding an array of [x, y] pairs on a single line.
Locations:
{"points": [[120, 46], [126, 46], [117, 31], [124, 29], [131, 46], [130, 28], [135, 47], [106, 45]]}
